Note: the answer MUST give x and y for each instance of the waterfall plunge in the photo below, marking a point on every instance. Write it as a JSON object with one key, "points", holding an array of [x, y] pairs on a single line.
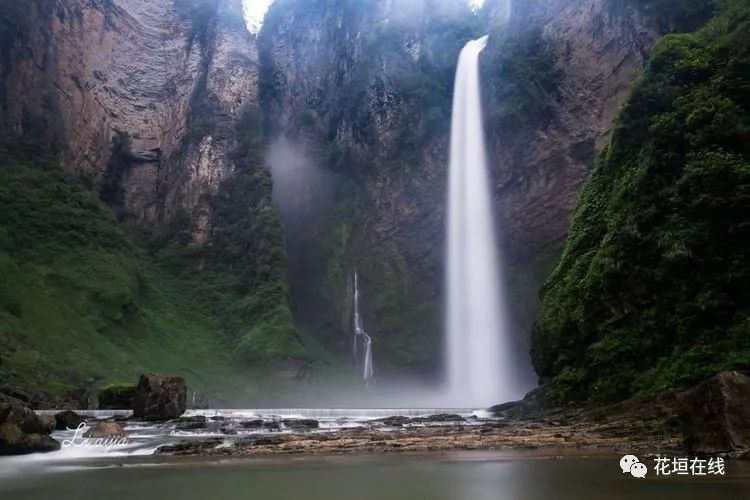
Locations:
{"points": [[361, 336], [480, 372]]}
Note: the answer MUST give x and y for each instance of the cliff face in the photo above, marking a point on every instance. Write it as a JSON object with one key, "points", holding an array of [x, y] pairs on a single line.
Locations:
{"points": [[554, 79], [651, 291], [154, 104], [367, 88], [112, 85]]}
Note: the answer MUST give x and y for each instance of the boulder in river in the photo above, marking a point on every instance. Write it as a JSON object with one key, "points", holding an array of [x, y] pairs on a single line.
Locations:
{"points": [[38, 424], [159, 397], [715, 415], [67, 419], [23, 431], [13, 441], [107, 429]]}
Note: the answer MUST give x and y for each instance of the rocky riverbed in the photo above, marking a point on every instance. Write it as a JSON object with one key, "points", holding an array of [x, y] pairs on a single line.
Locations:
{"points": [[649, 428]]}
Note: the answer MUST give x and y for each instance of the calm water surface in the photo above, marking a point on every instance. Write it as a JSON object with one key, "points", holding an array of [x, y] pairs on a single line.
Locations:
{"points": [[459, 476]]}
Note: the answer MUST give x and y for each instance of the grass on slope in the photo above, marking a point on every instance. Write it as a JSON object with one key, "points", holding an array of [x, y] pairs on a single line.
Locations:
{"points": [[82, 304]]}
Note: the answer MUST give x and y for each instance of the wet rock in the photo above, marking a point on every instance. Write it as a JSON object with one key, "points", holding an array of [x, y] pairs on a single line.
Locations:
{"points": [[228, 430], [117, 397], [14, 411], [301, 424], [191, 423], [715, 416], [159, 397], [504, 407], [393, 421], [17, 412], [11, 436], [252, 424], [106, 430], [272, 426], [67, 419], [39, 443], [445, 417], [13, 441], [189, 447], [36, 424]]}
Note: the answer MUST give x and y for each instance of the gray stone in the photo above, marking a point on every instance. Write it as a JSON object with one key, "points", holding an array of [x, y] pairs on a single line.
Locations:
{"points": [[715, 416], [67, 420], [159, 397]]}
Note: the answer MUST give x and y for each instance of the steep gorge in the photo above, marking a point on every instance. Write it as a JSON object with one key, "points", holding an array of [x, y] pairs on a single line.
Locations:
{"points": [[170, 113]]}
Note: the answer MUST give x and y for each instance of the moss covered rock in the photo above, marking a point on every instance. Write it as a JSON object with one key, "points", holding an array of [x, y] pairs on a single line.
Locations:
{"points": [[117, 397]]}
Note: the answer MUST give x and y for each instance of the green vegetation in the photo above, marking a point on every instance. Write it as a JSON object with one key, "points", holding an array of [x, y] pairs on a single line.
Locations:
{"points": [[82, 301], [241, 273], [671, 16], [79, 300], [652, 289], [520, 78], [117, 396]]}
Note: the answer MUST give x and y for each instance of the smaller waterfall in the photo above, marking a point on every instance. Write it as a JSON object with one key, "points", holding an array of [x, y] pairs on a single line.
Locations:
{"points": [[360, 336]]}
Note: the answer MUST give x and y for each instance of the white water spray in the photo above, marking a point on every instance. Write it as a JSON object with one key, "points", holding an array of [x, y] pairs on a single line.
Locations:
{"points": [[480, 371], [361, 337]]}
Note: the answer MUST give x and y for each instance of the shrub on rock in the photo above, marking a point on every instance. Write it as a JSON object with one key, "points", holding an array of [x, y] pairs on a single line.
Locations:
{"points": [[117, 396]]}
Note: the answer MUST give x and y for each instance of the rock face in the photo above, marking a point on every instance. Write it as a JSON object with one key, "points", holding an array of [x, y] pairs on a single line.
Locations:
{"points": [[139, 97], [544, 137], [160, 397], [715, 416]]}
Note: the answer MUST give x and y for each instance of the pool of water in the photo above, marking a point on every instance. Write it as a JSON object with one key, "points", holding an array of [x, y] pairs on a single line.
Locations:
{"points": [[455, 476]]}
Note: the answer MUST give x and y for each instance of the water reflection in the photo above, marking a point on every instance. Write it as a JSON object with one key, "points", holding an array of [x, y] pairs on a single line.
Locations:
{"points": [[467, 476]]}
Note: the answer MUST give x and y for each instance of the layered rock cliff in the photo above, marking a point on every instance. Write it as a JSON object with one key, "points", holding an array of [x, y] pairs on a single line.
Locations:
{"points": [[137, 97]]}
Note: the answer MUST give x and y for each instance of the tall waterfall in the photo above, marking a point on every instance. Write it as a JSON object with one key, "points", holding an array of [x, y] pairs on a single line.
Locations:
{"points": [[361, 337], [478, 356]]}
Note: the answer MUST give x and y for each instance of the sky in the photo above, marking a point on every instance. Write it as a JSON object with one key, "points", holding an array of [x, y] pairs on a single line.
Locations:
{"points": [[255, 10]]}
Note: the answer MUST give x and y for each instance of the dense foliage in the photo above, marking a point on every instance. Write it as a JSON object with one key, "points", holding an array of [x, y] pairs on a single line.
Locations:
{"points": [[79, 300], [653, 288]]}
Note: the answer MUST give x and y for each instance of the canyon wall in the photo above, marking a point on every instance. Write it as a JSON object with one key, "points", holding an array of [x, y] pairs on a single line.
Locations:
{"points": [[137, 97]]}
